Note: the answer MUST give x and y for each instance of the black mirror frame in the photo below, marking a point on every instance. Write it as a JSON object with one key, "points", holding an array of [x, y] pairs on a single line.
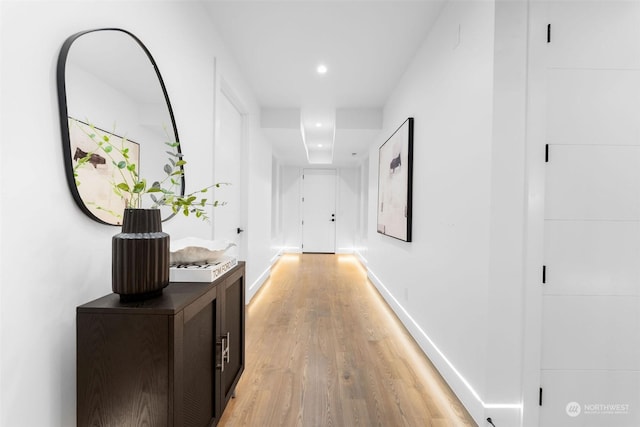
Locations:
{"points": [[64, 113]]}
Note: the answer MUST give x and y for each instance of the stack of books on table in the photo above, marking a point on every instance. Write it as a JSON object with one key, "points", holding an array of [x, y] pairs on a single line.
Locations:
{"points": [[202, 273]]}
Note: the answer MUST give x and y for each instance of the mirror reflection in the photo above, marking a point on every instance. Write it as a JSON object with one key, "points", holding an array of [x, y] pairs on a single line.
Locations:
{"points": [[109, 86]]}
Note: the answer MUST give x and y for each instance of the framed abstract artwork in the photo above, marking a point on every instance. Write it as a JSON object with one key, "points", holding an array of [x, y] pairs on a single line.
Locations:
{"points": [[395, 170], [94, 181]]}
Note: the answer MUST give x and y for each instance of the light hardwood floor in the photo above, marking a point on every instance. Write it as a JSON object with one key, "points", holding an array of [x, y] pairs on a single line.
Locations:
{"points": [[324, 349]]}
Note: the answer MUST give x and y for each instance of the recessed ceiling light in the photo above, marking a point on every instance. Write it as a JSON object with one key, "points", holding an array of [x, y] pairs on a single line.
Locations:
{"points": [[322, 69], [318, 125], [319, 145]]}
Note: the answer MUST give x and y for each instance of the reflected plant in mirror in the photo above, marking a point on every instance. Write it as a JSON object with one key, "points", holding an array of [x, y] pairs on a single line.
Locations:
{"points": [[103, 157]]}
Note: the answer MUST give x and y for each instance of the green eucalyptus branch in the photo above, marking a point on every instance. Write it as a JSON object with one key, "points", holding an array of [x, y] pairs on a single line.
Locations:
{"points": [[190, 203], [131, 188], [124, 167]]}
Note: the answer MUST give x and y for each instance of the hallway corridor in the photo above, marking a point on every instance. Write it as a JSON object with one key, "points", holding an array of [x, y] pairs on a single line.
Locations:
{"points": [[324, 349]]}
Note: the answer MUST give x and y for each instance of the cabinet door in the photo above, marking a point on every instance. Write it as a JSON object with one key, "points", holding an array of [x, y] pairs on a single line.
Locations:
{"points": [[122, 370], [200, 391], [232, 329]]}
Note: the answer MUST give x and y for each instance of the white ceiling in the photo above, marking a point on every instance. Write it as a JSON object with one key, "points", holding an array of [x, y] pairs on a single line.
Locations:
{"points": [[366, 45]]}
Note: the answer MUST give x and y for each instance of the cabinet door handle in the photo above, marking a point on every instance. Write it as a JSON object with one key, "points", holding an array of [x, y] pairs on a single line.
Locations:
{"points": [[223, 342], [227, 352]]}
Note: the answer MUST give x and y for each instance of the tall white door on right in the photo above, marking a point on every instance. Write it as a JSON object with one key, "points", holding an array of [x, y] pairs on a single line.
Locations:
{"points": [[590, 355]]}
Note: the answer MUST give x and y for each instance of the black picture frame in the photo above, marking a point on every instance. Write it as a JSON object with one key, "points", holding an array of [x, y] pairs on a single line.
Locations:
{"points": [[395, 183]]}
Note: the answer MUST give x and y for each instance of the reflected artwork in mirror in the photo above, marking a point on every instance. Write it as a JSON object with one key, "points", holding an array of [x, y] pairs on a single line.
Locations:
{"points": [[108, 83]]}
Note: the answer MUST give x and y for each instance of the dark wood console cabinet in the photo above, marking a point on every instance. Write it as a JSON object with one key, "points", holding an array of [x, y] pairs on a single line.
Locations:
{"points": [[173, 360]]}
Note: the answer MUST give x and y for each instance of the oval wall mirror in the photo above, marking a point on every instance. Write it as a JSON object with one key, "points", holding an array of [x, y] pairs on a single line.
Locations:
{"points": [[109, 86]]}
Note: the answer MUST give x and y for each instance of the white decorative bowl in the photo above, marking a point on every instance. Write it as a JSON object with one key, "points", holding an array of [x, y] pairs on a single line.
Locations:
{"points": [[192, 250]]}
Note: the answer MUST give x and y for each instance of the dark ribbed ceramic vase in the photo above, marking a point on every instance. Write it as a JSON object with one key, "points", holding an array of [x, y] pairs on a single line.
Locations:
{"points": [[140, 267]]}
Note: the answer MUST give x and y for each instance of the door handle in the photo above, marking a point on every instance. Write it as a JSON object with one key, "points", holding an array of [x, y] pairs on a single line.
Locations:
{"points": [[240, 230], [227, 353], [224, 350], [223, 346]]}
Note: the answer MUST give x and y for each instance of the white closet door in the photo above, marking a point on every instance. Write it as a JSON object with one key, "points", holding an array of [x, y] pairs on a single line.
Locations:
{"points": [[590, 356]]}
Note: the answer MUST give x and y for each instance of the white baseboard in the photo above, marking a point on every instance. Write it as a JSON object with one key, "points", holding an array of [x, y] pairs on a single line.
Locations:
{"points": [[342, 251], [257, 284], [292, 250], [361, 258]]}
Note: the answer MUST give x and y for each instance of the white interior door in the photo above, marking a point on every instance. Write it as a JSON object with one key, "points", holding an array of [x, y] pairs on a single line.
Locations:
{"points": [[590, 356], [318, 210], [228, 149]]}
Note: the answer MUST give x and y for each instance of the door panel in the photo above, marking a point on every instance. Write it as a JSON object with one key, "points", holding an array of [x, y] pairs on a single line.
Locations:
{"points": [[591, 332], [586, 388], [593, 106], [594, 34], [228, 149], [318, 210], [592, 257], [587, 182], [199, 374], [234, 325]]}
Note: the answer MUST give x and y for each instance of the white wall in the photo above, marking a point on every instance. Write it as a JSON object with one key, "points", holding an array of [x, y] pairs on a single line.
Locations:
{"points": [[54, 258], [346, 210], [347, 191], [291, 212], [363, 209], [260, 250], [439, 283], [276, 217], [2, 239], [505, 300]]}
